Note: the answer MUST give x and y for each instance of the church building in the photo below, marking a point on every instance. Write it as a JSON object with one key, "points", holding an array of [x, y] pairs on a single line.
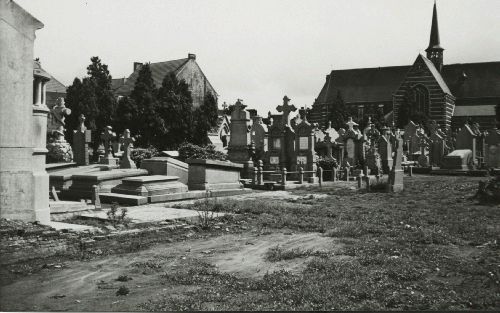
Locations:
{"points": [[450, 94]]}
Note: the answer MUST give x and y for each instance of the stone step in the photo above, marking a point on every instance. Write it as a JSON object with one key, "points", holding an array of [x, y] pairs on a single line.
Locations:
{"points": [[111, 197]]}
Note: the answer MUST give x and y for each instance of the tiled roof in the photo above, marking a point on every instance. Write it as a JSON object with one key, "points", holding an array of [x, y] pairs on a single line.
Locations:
{"points": [[117, 83], [474, 110], [377, 84], [436, 74], [158, 70], [53, 85]]}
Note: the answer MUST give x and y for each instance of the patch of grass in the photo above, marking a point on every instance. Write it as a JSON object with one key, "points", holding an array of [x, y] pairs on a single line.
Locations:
{"points": [[427, 248], [277, 253], [122, 291], [123, 278]]}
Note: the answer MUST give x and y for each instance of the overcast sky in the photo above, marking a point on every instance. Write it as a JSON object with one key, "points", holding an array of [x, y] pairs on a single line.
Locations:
{"points": [[259, 50]]}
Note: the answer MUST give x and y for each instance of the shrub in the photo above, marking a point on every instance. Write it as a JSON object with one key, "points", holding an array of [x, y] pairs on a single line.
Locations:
{"points": [[122, 291], [192, 151], [139, 154], [116, 218]]}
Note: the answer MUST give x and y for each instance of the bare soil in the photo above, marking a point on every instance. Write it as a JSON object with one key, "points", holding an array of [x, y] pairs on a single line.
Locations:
{"points": [[91, 285], [431, 247]]}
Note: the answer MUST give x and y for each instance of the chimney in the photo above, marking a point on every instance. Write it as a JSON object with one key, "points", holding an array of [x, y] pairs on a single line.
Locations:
{"points": [[137, 65], [191, 56]]}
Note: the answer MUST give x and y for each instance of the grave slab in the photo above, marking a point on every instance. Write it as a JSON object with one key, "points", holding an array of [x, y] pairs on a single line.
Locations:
{"points": [[166, 166], [457, 160], [105, 180], [150, 186]]}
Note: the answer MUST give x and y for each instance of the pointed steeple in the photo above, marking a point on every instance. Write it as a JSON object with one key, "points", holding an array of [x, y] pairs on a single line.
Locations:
{"points": [[434, 50]]}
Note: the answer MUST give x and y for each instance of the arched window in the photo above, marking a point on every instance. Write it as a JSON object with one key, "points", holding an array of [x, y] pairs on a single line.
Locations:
{"points": [[421, 99]]}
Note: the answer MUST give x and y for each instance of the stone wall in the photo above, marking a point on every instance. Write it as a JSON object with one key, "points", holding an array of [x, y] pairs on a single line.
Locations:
{"points": [[198, 83]]}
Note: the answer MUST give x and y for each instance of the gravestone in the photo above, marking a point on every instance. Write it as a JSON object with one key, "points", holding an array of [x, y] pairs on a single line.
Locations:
{"points": [[351, 139], [59, 150], [305, 153], [492, 142], [396, 174], [259, 137], [238, 150], [107, 136], [385, 150], [466, 140], [81, 140], [127, 142], [373, 160], [437, 148], [423, 159], [281, 143], [458, 160], [412, 138]]}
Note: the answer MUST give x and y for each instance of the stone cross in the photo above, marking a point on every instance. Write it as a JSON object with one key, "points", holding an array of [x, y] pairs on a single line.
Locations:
{"points": [[107, 136], [351, 124], [127, 142], [286, 109], [224, 105], [81, 119]]}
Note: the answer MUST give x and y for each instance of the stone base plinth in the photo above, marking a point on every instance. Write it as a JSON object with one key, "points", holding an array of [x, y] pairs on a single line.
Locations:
{"points": [[152, 187], [213, 175], [166, 166], [81, 187]]}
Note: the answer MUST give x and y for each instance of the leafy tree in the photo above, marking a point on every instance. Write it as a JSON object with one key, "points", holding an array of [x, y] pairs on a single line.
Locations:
{"points": [[92, 97], [127, 113], [338, 112], [150, 125], [205, 118]]}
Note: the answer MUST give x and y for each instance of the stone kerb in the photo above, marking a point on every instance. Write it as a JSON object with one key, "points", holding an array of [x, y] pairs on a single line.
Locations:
{"points": [[213, 175]]}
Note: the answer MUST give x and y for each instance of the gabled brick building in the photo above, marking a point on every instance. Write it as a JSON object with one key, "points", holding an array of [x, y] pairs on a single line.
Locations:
{"points": [[185, 69], [448, 94]]}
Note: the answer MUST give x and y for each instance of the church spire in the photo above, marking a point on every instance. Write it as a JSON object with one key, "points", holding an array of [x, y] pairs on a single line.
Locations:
{"points": [[435, 51]]}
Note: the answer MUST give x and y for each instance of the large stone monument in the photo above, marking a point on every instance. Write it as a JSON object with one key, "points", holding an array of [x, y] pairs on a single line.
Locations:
{"points": [[238, 150], [24, 182]]}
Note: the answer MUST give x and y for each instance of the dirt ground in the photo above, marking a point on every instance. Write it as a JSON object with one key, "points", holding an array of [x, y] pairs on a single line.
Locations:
{"points": [[430, 247], [91, 285]]}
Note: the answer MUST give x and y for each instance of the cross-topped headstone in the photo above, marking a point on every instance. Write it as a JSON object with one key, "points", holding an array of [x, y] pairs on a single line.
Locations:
{"points": [[286, 109], [81, 119], [351, 124], [127, 142], [81, 140], [224, 105], [107, 136]]}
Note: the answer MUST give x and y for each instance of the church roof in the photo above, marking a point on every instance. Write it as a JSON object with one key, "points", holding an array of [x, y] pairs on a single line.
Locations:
{"points": [[377, 84], [158, 70], [437, 76]]}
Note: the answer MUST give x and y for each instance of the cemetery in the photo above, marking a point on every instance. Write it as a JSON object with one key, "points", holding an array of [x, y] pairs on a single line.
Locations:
{"points": [[156, 212]]}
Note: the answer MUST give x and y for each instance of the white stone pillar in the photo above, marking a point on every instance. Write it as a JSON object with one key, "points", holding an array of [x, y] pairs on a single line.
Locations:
{"points": [[38, 91], [44, 93]]}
